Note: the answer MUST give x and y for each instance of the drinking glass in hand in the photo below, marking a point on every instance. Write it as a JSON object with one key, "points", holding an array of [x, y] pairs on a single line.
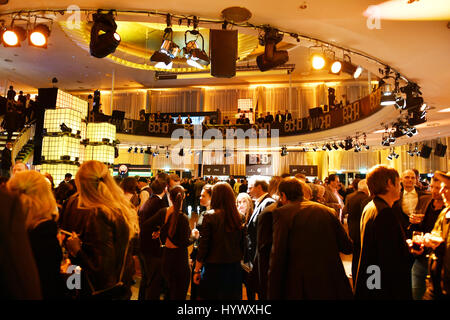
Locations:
{"points": [[416, 217], [417, 239]]}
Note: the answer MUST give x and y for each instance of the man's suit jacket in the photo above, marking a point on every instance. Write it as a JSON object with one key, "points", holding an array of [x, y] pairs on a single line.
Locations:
{"points": [[354, 206], [331, 201], [403, 216], [268, 119], [148, 210], [252, 224], [305, 261], [6, 159], [264, 246], [383, 244]]}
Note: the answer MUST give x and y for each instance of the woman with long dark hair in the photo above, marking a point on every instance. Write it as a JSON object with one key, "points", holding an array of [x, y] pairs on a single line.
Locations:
{"points": [[171, 225], [218, 269]]}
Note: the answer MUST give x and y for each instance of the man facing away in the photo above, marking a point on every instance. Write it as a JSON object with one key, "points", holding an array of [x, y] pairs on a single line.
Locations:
{"points": [[354, 207], [384, 270], [307, 240], [6, 160]]}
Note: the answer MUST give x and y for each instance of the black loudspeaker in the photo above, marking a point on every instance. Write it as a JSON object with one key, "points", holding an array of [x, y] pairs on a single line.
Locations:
{"points": [[118, 115], [440, 150], [223, 48], [425, 152]]}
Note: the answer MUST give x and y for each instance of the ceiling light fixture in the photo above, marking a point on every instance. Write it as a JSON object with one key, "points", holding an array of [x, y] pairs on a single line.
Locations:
{"points": [[271, 57], [169, 50], [104, 38], [195, 57], [348, 67], [13, 36], [39, 36]]}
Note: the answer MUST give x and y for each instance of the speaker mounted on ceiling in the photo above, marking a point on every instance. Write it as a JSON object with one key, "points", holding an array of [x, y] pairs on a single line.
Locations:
{"points": [[425, 152], [223, 46], [440, 150]]}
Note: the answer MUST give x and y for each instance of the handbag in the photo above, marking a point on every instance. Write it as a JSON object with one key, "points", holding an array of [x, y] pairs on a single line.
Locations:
{"points": [[117, 292]]}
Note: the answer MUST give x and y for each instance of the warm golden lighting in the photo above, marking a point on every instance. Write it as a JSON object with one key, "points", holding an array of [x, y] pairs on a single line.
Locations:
{"points": [[417, 10], [38, 39], [336, 67], [10, 38], [318, 62]]}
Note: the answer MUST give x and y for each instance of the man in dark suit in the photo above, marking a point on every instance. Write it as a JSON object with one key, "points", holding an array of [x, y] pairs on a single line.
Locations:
{"points": [[354, 206], [279, 117], [307, 240], [384, 270], [287, 116], [150, 249], [269, 118], [19, 277], [6, 160], [258, 191], [264, 234], [261, 119]]}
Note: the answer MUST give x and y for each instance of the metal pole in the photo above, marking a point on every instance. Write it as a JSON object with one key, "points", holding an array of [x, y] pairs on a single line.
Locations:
{"points": [[113, 77]]}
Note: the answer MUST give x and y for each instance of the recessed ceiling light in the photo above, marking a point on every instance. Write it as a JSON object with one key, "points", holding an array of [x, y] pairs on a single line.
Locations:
{"points": [[445, 110], [8, 60], [380, 131]]}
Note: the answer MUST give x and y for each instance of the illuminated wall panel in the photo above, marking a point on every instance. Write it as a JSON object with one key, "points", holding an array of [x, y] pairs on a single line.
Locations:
{"points": [[102, 153], [97, 131], [55, 147], [55, 117], [58, 171]]}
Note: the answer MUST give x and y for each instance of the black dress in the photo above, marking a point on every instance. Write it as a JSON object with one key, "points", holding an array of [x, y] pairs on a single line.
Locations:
{"points": [[175, 262]]}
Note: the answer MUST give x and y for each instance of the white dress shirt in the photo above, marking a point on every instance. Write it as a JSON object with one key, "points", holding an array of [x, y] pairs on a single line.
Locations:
{"points": [[409, 201]]}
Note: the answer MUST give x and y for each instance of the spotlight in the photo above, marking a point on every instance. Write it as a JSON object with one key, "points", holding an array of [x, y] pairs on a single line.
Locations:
{"points": [[389, 157], [142, 150], [195, 57], [39, 36], [324, 147], [336, 67], [357, 72], [400, 103], [387, 99], [181, 153], [136, 150], [366, 147], [168, 51], [12, 37], [130, 149], [341, 144], [104, 38], [284, 151], [335, 146], [314, 148], [328, 146], [167, 154], [348, 144], [351, 69], [318, 61], [357, 148], [271, 57]]}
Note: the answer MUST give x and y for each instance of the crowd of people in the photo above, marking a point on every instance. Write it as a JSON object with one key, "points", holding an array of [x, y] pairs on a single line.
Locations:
{"points": [[17, 110], [280, 238]]}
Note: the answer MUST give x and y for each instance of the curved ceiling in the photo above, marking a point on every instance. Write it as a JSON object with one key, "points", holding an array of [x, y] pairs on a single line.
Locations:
{"points": [[411, 36]]}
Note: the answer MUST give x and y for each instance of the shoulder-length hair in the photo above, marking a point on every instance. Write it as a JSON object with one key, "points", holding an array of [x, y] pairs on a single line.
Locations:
{"points": [[223, 202], [378, 177], [98, 190], [36, 197], [249, 201]]}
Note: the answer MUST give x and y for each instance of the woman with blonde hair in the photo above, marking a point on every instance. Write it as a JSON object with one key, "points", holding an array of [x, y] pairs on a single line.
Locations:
{"points": [[244, 205], [39, 206], [112, 222]]}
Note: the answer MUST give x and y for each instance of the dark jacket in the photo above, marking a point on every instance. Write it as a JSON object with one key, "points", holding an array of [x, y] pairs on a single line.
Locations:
{"points": [[216, 244], [354, 206], [102, 253], [305, 261], [6, 159], [19, 278], [404, 217], [251, 231], [48, 255], [147, 211], [73, 218], [182, 231], [264, 246], [383, 244]]}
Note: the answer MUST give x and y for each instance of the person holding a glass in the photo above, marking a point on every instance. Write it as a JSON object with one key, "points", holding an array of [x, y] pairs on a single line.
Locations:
{"points": [[438, 240], [422, 221]]}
